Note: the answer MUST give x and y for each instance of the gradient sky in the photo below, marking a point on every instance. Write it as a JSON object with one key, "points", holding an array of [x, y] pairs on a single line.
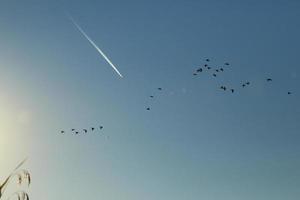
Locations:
{"points": [[197, 142]]}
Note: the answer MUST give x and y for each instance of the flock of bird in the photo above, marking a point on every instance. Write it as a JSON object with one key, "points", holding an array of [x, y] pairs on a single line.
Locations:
{"points": [[216, 71], [85, 130], [152, 96]]}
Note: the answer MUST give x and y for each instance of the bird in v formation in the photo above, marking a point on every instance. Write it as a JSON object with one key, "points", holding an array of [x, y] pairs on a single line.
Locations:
{"points": [[217, 70], [76, 132], [199, 70]]}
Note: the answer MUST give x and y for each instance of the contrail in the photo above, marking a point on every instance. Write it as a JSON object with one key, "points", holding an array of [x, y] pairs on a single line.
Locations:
{"points": [[95, 46]]}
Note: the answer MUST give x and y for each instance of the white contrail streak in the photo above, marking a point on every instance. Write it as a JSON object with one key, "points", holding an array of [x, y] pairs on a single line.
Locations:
{"points": [[95, 46]]}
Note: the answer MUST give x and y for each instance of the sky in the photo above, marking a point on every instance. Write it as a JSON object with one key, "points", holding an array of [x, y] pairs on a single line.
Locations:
{"points": [[196, 142]]}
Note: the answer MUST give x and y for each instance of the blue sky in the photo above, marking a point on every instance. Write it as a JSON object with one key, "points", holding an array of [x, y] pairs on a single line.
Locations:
{"points": [[197, 142]]}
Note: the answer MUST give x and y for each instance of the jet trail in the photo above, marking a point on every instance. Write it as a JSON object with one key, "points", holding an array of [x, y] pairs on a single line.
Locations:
{"points": [[95, 46]]}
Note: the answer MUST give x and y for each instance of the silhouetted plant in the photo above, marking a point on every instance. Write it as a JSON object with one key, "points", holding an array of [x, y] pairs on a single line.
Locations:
{"points": [[23, 177]]}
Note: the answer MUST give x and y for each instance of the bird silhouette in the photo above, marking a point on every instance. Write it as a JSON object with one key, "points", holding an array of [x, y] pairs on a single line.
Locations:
{"points": [[226, 63], [232, 90], [207, 60], [92, 128], [269, 79], [76, 132], [159, 88], [217, 70], [289, 93], [205, 65], [223, 87], [62, 131], [148, 108], [243, 85], [208, 67], [195, 74], [199, 70], [73, 129], [214, 75], [101, 127], [151, 96], [221, 69], [248, 83], [85, 130]]}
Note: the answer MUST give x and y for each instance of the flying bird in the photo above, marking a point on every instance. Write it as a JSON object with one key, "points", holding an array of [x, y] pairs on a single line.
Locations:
{"points": [[217, 70], [148, 108], [85, 130], [95, 46], [62, 131], [207, 60], [199, 70], [232, 90], [93, 128], [73, 129], [221, 69], [195, 74], [248, 83], [243, 85], [223, 88], [101, 127], [226, 63], [289, 93], [76, 132], [151, 96], [208, 67], [205, 65], [214, 75], [159, 88], [269, 79]]}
